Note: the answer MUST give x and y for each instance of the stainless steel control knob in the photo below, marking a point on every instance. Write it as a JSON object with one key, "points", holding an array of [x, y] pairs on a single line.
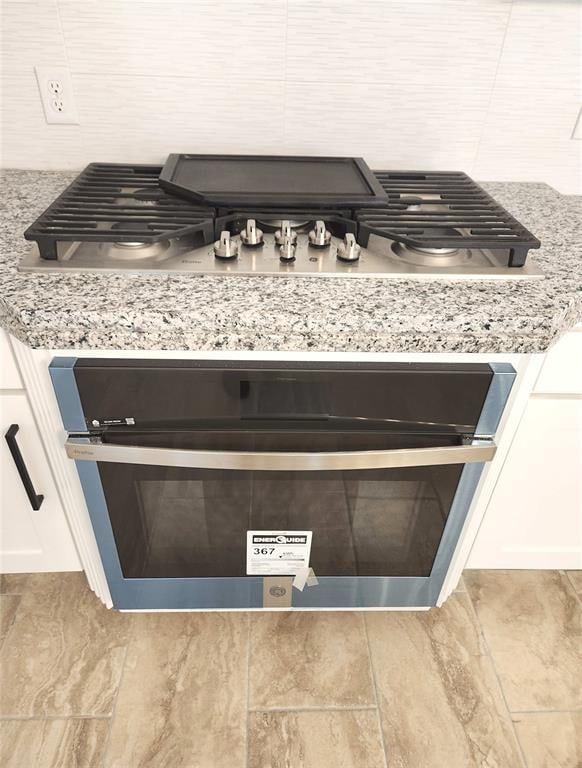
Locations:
{"points": [[285, 233], [225, 248], [287, 250], [319, 237], [348, 250], [251, 236]]}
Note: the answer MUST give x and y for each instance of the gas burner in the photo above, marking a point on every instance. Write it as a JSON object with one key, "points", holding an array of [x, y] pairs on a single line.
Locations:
{"points": [[439, 232], [270, 225], [426, 203], [129, 245], [138, 251], [426, 255], [433, 257], [130, 226]]}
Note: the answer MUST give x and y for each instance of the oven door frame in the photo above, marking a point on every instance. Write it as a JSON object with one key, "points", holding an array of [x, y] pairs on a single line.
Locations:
{"points": [[246, 592]]}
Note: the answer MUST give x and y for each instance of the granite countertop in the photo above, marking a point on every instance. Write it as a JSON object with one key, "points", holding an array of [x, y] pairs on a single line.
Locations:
{"points": [[180, 311]]}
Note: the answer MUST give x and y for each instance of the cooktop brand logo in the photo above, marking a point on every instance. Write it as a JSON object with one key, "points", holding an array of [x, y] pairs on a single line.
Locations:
{"points": [[279, 539]]}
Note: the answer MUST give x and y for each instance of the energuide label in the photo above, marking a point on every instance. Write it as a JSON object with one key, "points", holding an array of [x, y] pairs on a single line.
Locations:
{"points": [[276, 553]]}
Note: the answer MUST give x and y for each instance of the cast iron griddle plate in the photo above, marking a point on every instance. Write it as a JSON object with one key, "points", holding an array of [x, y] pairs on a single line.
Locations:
{"points": [[272, 181]]}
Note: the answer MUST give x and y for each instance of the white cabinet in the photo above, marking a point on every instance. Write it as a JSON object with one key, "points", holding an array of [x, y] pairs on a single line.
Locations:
{"points": [[9, 376], [30, 540], [562, 369], [534, 516]]}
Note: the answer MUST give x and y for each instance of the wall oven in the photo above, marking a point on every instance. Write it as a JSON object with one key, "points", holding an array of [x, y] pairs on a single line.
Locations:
{"points": [[377, 463]]}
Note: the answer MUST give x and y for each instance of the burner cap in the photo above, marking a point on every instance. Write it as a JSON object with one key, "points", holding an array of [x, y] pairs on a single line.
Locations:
{"points": [[437, 232], [273, 224], [137, 226], [149, 193], [429, 255]]}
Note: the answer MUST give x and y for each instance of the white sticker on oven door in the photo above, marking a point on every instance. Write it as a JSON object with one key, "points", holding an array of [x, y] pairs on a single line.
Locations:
{"points": [[277, 553]]}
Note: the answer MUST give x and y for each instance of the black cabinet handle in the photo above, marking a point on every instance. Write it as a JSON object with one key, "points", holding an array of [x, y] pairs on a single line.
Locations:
{"points": [[34, 498]]}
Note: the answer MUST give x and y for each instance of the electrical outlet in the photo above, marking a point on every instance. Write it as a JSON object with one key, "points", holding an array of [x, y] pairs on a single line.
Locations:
{"points": [[56, 93]]}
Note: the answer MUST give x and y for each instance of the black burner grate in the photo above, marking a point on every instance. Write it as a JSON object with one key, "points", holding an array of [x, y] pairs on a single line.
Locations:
{"points": [[108, 202], [443, 210], [111, 202]]}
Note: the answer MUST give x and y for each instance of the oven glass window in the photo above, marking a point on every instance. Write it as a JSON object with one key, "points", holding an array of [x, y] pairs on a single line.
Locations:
{"points": [[171, 522]]}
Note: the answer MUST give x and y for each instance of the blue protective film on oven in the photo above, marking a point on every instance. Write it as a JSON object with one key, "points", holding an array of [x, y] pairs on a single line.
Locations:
{"points": [[61, 370]]}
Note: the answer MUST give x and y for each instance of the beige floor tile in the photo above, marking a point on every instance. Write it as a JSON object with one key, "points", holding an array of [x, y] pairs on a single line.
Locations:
{"points": [[551, 739], [340, 739], [19, 583], [75, 743], [439, 698], [576, 579], [309, 659], [182, 701], [532, 622], [8, 606], [461, 586], [64, 652]]}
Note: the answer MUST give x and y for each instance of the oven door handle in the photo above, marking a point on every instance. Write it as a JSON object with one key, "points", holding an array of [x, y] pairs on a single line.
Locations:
{"points": [[82, 449]]}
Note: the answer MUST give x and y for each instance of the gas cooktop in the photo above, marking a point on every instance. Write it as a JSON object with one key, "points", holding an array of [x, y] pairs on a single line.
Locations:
{"points": [[385, 224]]}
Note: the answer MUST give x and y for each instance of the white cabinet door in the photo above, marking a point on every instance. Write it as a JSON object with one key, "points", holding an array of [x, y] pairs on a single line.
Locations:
{"points": [[9, 376], [534, 517], [562, 369], [30, 540]]}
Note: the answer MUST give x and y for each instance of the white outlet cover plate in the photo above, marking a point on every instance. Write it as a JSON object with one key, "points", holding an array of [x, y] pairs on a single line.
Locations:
{"points": [[44, 77]]}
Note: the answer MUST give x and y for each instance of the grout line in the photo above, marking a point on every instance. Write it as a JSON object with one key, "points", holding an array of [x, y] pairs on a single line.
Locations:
{"points": [[461, 587], [490, 655], [487, 114], [247, 739], [546, 711], [9, 627], [375, 688], [63, 38], [207, 80], [24, 718], [114, 708], [577, 594], [285, 50], [346, 708]]}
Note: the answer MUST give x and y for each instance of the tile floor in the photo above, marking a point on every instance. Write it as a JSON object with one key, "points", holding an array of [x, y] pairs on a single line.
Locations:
{"points": [[493, 679]]}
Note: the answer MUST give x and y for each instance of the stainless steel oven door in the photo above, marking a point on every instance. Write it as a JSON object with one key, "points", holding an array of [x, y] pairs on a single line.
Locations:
{"points": [[171, 512], [371, 459]]}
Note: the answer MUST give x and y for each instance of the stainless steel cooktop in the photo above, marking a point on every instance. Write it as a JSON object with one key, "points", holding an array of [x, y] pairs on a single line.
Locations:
{"points": [[428, 225], [284, 252]]}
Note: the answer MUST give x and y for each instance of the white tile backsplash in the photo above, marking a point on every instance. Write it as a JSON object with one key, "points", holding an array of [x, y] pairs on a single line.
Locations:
{"points": [[491, 87], [142, 119], [428, 128], [437, 42], [536, 123], [30, 35], [230, 40], [543, 48]]}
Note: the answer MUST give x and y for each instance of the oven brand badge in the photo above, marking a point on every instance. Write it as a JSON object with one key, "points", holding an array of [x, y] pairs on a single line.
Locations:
{"points": [[130, 421], [280, 539]]}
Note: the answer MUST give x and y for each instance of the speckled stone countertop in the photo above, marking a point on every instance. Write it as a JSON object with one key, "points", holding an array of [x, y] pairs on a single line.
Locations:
{"points": [[191, 312]]}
